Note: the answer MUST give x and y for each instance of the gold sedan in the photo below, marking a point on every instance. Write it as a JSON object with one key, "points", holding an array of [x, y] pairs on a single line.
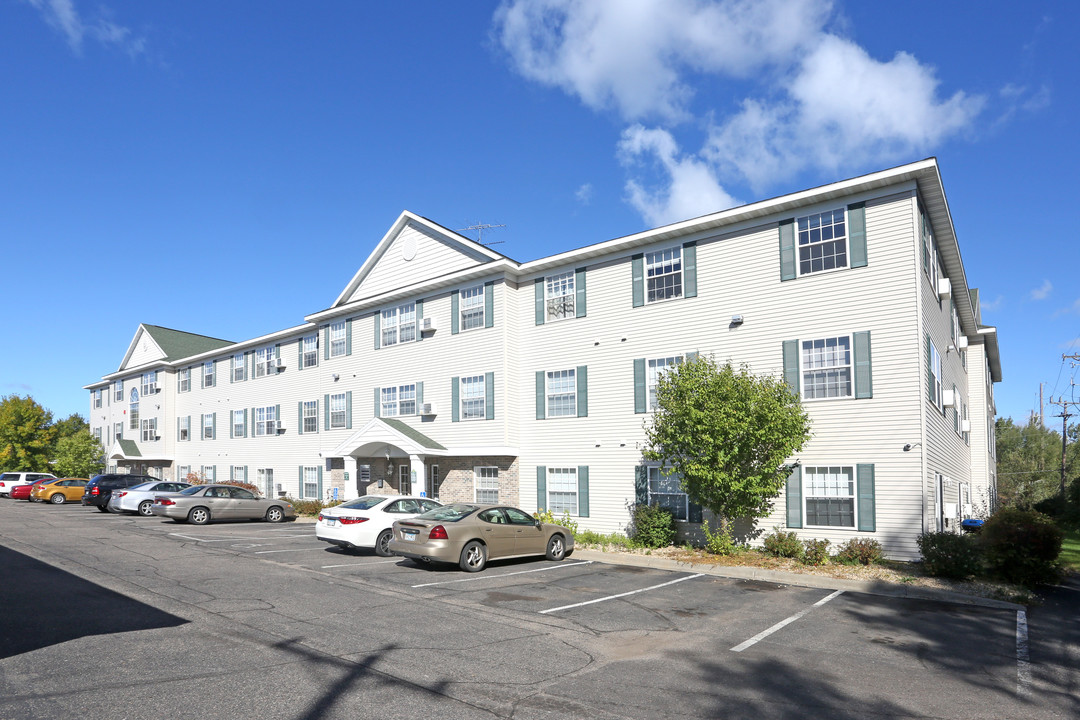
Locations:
{"points": [[59, 491]]}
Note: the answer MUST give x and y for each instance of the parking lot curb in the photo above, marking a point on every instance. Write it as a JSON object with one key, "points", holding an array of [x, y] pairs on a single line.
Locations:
{"points": [[739, 572]]}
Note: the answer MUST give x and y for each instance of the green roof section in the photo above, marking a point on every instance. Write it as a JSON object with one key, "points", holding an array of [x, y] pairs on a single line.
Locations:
{"points": [[414, 435], [129, 448], [177, 344]]}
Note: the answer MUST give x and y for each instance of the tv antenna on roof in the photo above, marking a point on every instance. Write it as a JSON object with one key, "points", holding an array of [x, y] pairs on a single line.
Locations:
{"points": [[480, 228]]}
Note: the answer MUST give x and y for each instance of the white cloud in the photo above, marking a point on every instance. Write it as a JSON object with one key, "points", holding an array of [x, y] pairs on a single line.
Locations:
{"points": [[63, 16], [632, 55], [991, 305], [584, 194], [689, 186], [1043, 291], [1070, 310]]}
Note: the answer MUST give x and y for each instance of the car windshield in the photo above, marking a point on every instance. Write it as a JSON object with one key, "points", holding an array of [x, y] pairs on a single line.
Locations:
{"points": [[449, 513], [142, 486], [192, 490], [7, 476], [363, 503]]}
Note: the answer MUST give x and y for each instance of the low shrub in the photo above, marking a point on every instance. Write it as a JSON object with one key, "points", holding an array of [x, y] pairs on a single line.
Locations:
{"points": [[653, 526], [719, 542], [783, 544], [308, 507], [591, 537], [546, 516], [1022, 546], [815, 552], [859, 551], [949, 555]]}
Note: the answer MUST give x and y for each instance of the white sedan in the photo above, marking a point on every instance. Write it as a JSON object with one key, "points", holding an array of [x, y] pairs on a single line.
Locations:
{"points": [[139, 498], [367, 522]]}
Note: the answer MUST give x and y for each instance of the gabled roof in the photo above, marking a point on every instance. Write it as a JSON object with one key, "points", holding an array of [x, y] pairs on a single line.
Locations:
{"points": [[153, 343], [388, 432]]}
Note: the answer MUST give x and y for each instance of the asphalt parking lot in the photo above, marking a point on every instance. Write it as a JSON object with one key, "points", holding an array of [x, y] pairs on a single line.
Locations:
{"points": [[314, 631]]}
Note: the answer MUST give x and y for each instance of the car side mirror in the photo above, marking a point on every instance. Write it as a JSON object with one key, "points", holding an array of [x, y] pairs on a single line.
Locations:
{"points": [[537, 523]]}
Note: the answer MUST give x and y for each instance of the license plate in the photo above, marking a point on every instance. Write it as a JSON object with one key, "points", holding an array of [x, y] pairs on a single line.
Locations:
{"points": [[331, 522], [409, 536]]}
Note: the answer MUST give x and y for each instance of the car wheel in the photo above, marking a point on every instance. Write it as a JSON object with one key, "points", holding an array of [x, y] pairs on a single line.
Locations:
{"points": [[146, 508], [275, 514], [57, 499], [199, 516], [556, 549], [382, 543], [473, 557], [103, 508]]}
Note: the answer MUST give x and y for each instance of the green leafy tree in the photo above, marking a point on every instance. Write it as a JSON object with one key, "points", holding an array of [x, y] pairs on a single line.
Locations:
{"points": [[79, 455], [69, 426], [727, 433], [26, 435], [1029, 462]]}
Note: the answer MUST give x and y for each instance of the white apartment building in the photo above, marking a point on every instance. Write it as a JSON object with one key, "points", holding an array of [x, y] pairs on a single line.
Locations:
{"points": [[446, 368]]}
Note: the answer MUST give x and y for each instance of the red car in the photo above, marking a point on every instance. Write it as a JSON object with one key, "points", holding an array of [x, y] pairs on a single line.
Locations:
{"points": [[22, 492]]}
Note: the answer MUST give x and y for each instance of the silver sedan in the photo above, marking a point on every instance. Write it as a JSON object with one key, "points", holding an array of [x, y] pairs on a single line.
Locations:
{"points": [[199, 504]]}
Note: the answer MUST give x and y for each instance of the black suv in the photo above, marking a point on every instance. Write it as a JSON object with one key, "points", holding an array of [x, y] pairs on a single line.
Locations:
{"points": [[100, 488]]}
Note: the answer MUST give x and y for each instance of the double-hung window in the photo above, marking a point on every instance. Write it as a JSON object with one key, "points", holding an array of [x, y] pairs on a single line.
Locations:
{"points": [[826, 368], [934, 383], [264, 362], [657, 367], [665, 490], [559, 295], [183, 428], [208, 374], [399, 324], [486, 481], [265, 477], [208, 426], [309, 356], [398, 400], [133, 409], [118, 430], [239, 368], [183, 383], [663, 274], [472, 307], [561, 393], [118, 391], [149, 383], [337, 411], [266, 421], [311, 416], [209, 473], [239, 473], [311, 482], [562, 490], [337, 339], [96, 395], [239, 422], [829, 495], [473, 398], [149, 430], [822, 240]]}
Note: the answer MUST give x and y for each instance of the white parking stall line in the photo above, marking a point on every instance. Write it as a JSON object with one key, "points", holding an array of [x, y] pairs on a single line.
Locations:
{"points": [[493, 577], [783, 623], [620, 595], [264, 552], [1023, 666], [234, 538], [376, 562]]}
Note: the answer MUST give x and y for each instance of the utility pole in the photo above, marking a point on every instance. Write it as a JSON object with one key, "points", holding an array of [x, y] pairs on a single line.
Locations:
{"points": [[1042, 406], [1064, 415]]}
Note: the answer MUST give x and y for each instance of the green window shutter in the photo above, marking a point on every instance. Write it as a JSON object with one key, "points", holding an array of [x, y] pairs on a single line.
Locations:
{"points": [[929, 371], [419, 394], [326, 342], [378, 403], [691, 355], [455, 314], [579, 293], [794, 498], [689, 266], [326, 411], [582, 375], [419, 320], [246, 478], [300, 354], [246, 422], [787, 249], [956, 410], [189, 428], [489, 396], [640, 400], [300, 475], [583, 491], [213, 433], [319, 496], [455, 400], [791, 364], [857, 235], [230, 366], [641, 485], [378, 330], [637, 272], [864, 478], [300, 418], [489, 304], [538, 299], [864, 384], [348, 410], [694, 513], [348, 336], [541, 487], [541, 395], [925, 245]]}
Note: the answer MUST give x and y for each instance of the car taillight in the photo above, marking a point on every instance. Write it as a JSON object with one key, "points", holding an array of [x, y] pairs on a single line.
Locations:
{"points": [[165, 501], [352, 520], [120, 494], [438, 533], [95, 490], [320, 517]]}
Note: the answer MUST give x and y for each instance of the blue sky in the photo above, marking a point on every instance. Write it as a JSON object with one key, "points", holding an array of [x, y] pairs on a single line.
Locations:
{"points": [[225, 167]]}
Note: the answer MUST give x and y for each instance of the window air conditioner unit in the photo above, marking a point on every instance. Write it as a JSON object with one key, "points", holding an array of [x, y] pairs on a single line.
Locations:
{"points": [[279, 427], [429, 409], [965, 426], [948, 398], [427, 324], [962, 342], [944, 288]]}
